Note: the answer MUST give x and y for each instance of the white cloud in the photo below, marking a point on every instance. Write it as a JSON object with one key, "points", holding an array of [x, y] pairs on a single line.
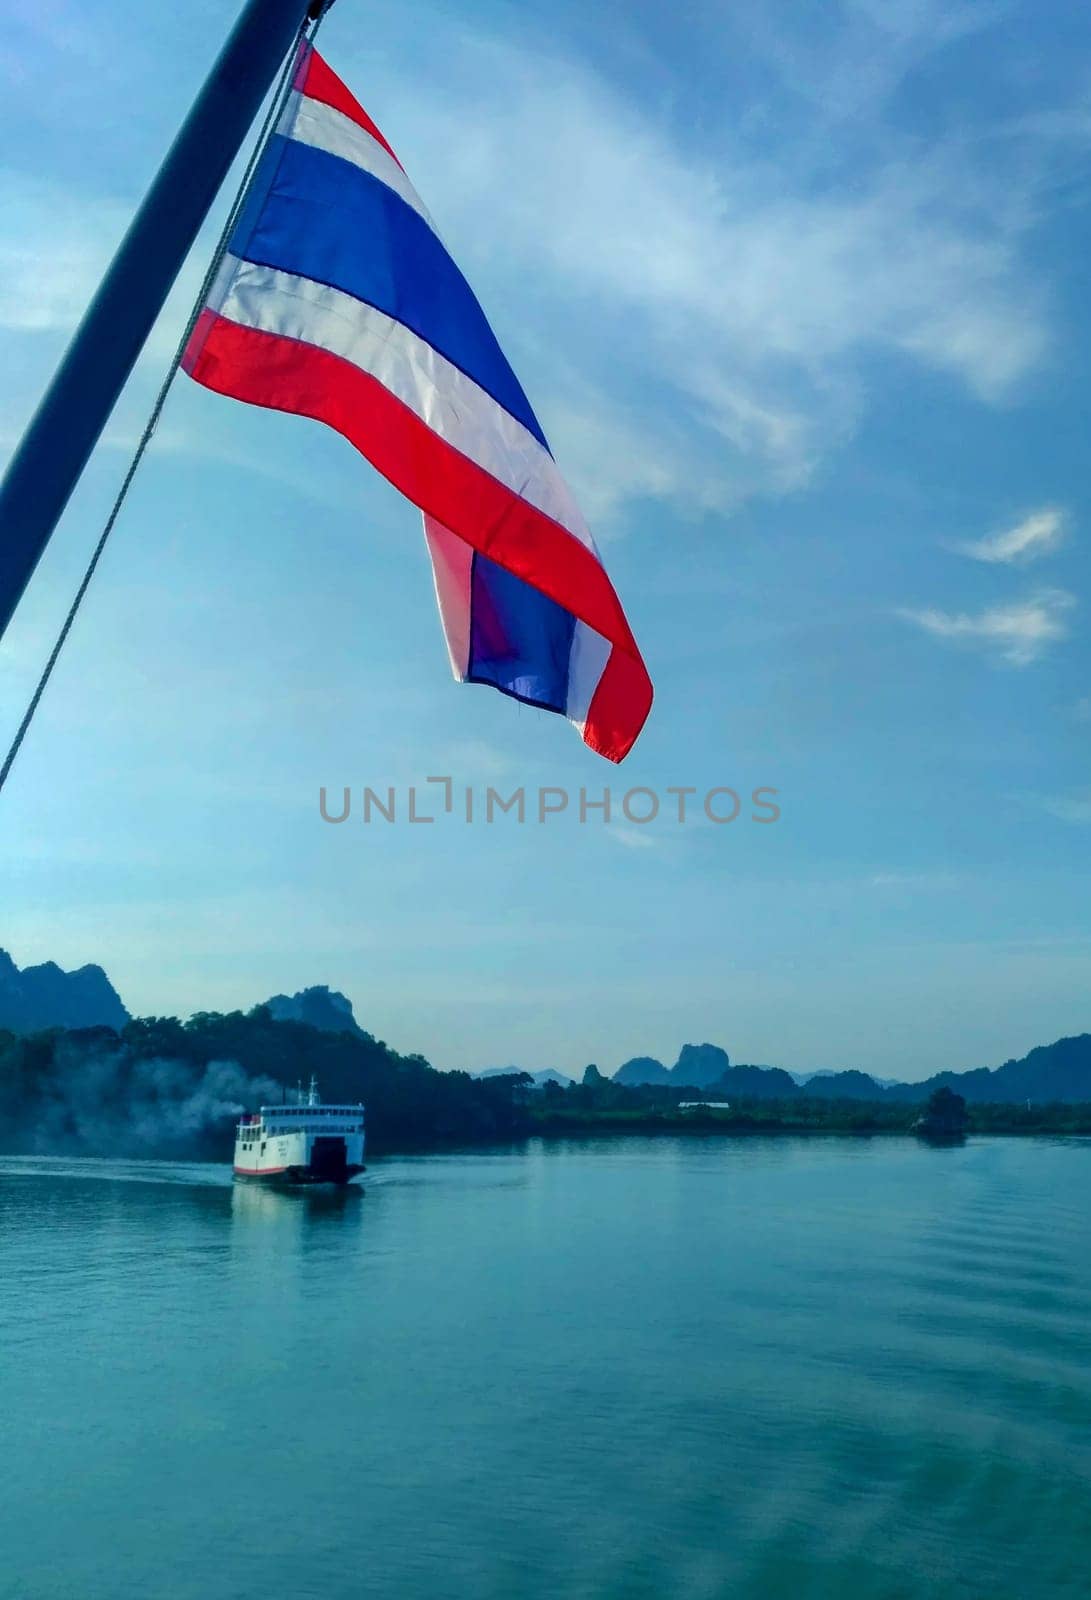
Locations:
{"points": [[631, 838], [1036, 535], [848, 59], [612, 456], [1018, 633], [913, 880], [700, 317], [1068, 807], [738, 294]]}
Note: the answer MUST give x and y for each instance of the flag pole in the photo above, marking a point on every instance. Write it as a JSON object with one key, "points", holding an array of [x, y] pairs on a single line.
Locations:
{"points": [[54, 449]]}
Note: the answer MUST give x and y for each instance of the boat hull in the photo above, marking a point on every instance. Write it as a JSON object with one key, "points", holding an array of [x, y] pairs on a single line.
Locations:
{"points": [[298, 1177]]}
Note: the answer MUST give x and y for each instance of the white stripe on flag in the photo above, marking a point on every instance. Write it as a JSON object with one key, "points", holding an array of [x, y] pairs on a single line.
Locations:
{"points": [[442, 396], [452, 574], [586, 663], [321, 126]]}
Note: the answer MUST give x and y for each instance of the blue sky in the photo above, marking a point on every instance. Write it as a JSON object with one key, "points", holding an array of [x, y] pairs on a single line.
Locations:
{"points": [[800, 296]]}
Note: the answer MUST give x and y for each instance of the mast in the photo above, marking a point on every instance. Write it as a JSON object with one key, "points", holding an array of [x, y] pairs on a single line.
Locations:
{"points": [[54, 450]]}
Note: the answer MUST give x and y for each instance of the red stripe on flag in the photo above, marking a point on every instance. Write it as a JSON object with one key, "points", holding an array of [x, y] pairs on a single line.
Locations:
{"points": [[320, 82], [284, 374], [619, 707]]}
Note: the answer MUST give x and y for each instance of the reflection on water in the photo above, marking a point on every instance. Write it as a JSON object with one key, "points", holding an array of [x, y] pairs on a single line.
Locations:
{"points": [[261, 1203], [700, 1367]]}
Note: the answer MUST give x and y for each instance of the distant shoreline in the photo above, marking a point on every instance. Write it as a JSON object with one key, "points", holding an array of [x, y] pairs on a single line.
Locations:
{"points": [[171, 1090], [852, 1118], [599, 1129]]}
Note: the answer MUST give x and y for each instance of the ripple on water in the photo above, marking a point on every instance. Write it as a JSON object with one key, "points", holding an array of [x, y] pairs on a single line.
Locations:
{"points": [[835, 1370]]}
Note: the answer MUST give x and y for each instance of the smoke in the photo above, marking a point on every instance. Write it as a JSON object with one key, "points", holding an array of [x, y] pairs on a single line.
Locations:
{"points": [[102, 1102]]}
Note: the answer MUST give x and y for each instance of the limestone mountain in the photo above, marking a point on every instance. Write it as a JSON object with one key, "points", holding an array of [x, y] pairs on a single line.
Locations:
{"points": [[547, 1075], [642, 1069], [1058, 1072], [46, 996], [700, 1065], [319, 1006]]}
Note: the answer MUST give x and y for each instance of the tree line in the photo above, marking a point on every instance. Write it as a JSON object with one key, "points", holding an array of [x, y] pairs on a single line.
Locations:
{"points": [[163, 1087]]}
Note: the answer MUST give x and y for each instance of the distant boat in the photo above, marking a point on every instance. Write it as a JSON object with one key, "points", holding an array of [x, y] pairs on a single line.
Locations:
{"points": [[304, 1143]]}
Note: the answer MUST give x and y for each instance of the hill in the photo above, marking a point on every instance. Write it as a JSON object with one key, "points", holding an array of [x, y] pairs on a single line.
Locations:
{"points": [[641, 1070], [1051, 1073], [699, 1066], [160, 1087], [48, 997], [548, 1075], [319, 1007]]}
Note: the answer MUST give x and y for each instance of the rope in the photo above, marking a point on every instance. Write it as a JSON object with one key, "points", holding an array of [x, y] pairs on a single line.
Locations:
{"points": [[280, 95]]}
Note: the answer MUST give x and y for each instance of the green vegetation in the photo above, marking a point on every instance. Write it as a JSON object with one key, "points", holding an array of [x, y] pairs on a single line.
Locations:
{"points": [[944, 1116], [161, 1087], [609, 1107]]}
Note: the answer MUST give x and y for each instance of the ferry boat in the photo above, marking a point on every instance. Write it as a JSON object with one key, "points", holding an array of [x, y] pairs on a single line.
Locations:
{"points": [[307, 1142]]}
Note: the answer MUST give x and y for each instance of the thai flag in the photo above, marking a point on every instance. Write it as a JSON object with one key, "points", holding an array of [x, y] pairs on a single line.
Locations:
{"points": [[337, 300]]}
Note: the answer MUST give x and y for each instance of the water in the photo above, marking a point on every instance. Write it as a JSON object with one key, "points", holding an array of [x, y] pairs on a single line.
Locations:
{"points": [[641, 1368]]}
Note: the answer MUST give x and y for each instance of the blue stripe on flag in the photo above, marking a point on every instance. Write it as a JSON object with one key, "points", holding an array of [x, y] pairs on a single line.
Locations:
{"points": [[520, 640], [319, 216]]}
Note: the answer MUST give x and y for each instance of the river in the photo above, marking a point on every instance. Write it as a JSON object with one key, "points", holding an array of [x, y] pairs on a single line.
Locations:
{"points": [[683, 1368]]}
